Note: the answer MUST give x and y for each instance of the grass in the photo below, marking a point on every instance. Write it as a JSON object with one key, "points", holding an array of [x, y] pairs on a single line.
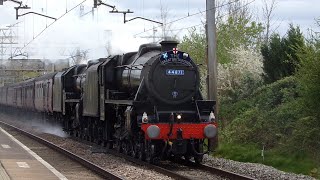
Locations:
{"points": [[296, 163]]}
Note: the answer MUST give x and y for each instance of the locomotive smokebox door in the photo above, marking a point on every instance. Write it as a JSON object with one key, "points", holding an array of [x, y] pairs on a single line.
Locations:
{"points": [[173, 78]]}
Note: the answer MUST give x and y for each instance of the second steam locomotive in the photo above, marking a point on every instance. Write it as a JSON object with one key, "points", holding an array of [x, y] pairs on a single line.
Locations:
{"points": [[147, 103]]}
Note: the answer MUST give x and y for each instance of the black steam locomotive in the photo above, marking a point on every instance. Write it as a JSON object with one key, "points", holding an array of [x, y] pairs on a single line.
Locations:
{"points": [[147, 103]]}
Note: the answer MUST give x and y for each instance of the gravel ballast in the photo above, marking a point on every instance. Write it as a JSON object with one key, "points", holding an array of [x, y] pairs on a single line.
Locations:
{"points": [[254, 170]]}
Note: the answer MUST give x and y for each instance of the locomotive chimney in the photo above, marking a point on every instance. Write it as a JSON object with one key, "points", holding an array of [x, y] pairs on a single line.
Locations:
{"points": [[168, 45]]}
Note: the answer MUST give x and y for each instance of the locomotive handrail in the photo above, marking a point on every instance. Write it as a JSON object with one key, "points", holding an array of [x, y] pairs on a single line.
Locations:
{"points": [[128, 65], [119, 102], [165, 112]]}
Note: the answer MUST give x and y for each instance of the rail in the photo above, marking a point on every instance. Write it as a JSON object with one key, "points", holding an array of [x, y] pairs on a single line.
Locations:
{"points": [[97, 169]]}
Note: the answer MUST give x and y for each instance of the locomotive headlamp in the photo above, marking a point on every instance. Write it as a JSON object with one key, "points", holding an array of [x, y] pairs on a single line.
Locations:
{"points": [[153, 131], [144, 118], [210, 131], [212, 117]]}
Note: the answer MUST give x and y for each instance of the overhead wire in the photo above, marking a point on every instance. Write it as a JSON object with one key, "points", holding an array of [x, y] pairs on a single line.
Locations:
{"points": [[186, 27], [52, 24], [35, 37], [179, 19], [217, 17]]}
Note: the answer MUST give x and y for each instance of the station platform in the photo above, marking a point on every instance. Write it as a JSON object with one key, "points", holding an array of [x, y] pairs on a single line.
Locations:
{"points": [[18, 162]]}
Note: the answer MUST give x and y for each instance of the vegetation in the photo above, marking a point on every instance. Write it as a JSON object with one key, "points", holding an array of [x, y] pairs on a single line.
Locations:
{"points": [[309, 73], [275, 119], [281, 55], [269, 93], [252, 153], [237, 32]]}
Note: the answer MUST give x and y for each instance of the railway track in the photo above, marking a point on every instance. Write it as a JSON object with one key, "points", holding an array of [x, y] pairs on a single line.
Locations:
{"points": [[172, 170], [98, 170], [158, 169], [224, 173], [93, 167], [215, 171], [192, 170]]}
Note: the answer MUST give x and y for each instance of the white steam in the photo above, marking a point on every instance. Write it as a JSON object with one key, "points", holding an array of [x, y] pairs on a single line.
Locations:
{"points": [[41, 126], [100, 35]]}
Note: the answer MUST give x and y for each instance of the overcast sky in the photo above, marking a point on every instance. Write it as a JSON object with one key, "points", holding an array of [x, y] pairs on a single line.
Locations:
{"points": [[92, 32]]}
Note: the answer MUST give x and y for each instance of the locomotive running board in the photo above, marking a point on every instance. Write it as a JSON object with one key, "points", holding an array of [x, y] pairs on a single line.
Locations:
{"points": [[119, 102]]}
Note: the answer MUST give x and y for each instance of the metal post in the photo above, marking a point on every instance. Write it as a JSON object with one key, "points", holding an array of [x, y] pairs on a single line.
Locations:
{"points": [[212, 62], [211, 51]]}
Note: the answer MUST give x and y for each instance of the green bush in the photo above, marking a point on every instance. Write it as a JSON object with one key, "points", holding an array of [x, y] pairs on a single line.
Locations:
{"points": [[306, 136], [309, 77], [270, 96]]}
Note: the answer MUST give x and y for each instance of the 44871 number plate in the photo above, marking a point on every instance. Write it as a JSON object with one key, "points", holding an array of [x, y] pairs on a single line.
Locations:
{"points": [[174, 72]]}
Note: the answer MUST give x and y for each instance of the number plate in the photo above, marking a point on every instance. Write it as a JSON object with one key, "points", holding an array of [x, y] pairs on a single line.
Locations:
{"points": [[174, 72]]}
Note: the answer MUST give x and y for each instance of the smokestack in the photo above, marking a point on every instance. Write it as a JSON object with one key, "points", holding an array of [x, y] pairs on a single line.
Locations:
{"points": [[168, 45]]}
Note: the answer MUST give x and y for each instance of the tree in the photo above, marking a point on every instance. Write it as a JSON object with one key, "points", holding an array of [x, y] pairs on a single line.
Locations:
{"points": [[268, 15], [293, 43], [273, 56], [236, 32], [239, 79], [309, 73], [280, 54], [195, 44], [236, 29]]}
